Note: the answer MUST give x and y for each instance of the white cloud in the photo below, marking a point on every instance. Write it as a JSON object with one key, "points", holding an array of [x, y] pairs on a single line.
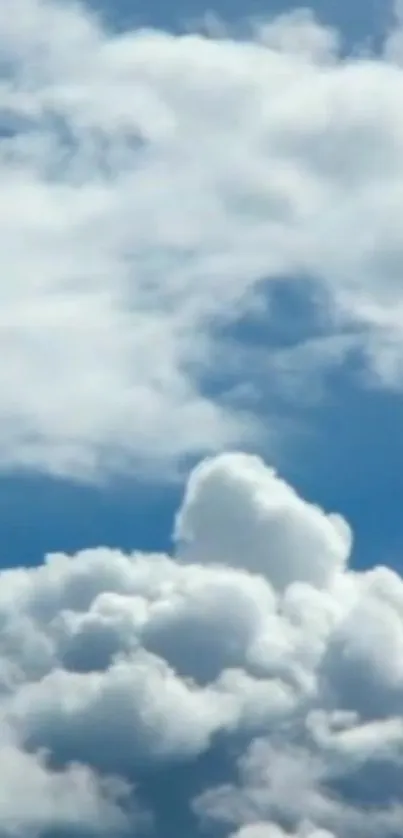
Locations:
{"points": [[270, 830], [237, 511], [34, 799], [149, 183], [263, 653]]}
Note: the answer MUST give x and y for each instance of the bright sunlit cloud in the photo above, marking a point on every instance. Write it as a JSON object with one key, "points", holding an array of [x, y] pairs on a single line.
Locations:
{"points": [[150, 183], [255, 641]]}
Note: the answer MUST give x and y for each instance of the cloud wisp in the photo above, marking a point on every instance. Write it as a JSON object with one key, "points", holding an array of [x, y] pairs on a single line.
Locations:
{"points": [[150, 184], [255, 645]]}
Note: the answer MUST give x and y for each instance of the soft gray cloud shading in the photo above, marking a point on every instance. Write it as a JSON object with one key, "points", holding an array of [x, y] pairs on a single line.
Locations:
{"points": [[273, 659], [34, 799], [149, 184]]}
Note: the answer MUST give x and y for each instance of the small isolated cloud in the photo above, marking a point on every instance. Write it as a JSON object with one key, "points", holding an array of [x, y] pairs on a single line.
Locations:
{"points": [[251, 682], [151, 183]]}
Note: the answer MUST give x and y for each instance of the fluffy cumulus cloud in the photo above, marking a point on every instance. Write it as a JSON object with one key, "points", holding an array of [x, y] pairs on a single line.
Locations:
{"points": [[251, 683], [231, 503], [154, 187]]}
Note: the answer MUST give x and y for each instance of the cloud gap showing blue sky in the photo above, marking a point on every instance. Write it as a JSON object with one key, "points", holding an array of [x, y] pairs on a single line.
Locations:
{"points": [[201, 347], [358, 22]]}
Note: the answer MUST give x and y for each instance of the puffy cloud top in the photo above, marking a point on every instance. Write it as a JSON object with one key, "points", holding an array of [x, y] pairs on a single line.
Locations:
{"points": [[240, 513], [153, 187], [255, 670]]}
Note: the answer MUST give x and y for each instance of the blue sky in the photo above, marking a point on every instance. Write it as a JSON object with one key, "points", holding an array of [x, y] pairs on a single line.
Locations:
{"points": [[346, 454], [358, 20], [139, 511], [201, 378]]}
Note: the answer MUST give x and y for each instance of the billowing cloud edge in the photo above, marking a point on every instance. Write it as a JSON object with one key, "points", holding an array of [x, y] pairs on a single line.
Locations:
{"points": [[255, 643], [156, 188]]}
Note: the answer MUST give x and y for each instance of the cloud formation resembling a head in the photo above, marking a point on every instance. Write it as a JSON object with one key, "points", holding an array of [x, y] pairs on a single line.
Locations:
{"points": [[255, 647]]}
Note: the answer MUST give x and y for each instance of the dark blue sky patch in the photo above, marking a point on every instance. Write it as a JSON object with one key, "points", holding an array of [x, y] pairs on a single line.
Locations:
{"points": [[353, 461]]}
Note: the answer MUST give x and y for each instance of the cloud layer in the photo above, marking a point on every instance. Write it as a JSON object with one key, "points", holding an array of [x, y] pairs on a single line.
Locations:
{"points": [[252, 683], [153, 186]]}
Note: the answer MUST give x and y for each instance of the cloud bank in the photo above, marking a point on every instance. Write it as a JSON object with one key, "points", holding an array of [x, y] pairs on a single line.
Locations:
{"points": [[155, 187], [250, 685]]}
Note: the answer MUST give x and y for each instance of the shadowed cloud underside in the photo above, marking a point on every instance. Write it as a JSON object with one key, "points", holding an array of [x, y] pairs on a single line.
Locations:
{"points": [[254, 646]]}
